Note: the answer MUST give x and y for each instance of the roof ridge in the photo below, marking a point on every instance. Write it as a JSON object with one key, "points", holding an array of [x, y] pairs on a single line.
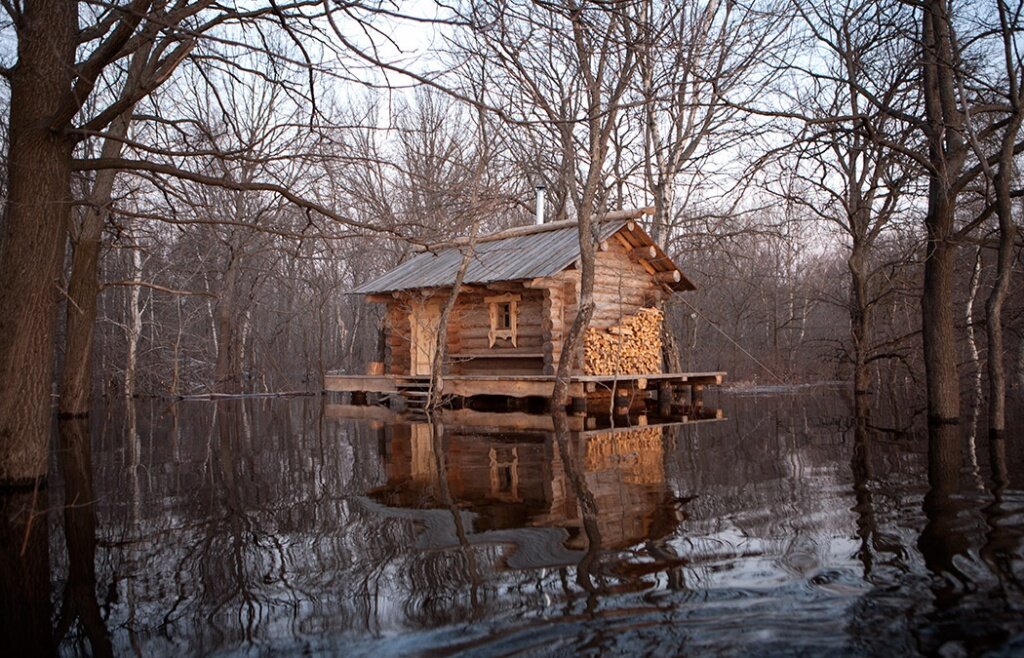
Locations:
{"points": [[532, 229]]}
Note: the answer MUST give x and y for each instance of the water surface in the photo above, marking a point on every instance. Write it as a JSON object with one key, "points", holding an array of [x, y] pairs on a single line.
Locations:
{"points": [[280, 527]]}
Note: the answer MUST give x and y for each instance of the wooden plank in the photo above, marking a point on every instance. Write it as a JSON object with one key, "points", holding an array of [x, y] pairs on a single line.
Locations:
{"points": [[359, 383], [519, 387], [498, 354], [686, 377]]}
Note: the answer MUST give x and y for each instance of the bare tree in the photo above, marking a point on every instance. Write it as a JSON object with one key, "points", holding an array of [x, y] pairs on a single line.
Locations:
{"points": [[67, 53], [837, 169], [566, 71]]}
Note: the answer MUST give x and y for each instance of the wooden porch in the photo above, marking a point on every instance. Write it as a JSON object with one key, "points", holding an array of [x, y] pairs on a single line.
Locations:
{"points": [[619, 391]]}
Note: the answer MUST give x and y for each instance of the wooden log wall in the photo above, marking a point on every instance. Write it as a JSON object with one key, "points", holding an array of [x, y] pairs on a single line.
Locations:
{"points": [[470, 324], [552, 323], [622, 286], [625, 332], [623, 289], [398, 337]]}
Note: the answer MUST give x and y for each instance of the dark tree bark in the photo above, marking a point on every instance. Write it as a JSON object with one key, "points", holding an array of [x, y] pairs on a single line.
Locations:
{"points": [[228, 373], [1001, 288], [1007, 229], [37, 213], [84, 285], [946, 154], [860, 320]]}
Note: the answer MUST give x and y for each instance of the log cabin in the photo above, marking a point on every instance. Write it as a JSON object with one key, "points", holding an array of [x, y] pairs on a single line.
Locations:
{"points": [[517, 301]]}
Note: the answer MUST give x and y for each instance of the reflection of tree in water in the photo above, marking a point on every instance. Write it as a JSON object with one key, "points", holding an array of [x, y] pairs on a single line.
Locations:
{"points": [[24, 573], [79, 603], [251, 527]]}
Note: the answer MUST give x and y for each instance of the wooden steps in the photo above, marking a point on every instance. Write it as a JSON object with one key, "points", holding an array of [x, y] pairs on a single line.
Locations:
{"points": [[415, 391]]}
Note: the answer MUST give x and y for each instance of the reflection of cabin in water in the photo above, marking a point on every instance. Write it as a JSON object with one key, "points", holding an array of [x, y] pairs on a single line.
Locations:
{"points": [[511, 480], [517, 301]]}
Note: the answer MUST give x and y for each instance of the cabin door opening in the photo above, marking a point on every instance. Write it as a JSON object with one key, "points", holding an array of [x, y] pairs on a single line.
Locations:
{"points": [[423, 325]]}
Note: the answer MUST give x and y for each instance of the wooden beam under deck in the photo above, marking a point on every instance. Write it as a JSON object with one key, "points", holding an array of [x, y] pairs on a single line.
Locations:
{"points": [[513, 386], [522, 386]]}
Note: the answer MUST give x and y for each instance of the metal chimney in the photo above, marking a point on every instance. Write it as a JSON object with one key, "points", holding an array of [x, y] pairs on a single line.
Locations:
{"points": [[540, 205]]}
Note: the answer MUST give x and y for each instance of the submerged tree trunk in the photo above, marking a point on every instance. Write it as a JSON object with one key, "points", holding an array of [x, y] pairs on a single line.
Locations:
{"points": [[228, 374], [35, 233], [134, 328], [860, 322], [994, 305], [946, 153], [943, 380], [25, 627]]}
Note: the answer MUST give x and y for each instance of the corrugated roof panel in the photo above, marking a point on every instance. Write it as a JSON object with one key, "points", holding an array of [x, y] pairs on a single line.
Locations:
{"points": [[510, 259]]}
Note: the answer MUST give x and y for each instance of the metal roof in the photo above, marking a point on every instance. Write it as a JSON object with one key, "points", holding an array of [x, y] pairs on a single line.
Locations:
{"points": [[509, 259]]}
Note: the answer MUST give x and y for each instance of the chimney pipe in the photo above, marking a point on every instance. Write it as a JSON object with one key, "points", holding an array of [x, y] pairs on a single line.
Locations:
{"points": [[540, 205]]}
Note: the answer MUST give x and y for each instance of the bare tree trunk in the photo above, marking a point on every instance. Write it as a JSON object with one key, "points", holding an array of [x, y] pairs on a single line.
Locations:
{"points": [[35, 234], [176, 370], [227, 377], [943, 379], [441, 339], [972, 343], [134, 329], [83, 286], [1020, 363], [669, 344], [994, 305], [860, 321], [946, 154], [573, 347]]}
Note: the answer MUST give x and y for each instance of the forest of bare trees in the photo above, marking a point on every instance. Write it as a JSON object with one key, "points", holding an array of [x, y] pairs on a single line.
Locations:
{"points": [[190, 187]]}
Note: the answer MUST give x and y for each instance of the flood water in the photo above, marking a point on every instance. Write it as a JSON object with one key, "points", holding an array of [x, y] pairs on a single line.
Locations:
{"points": [[281, 527]]}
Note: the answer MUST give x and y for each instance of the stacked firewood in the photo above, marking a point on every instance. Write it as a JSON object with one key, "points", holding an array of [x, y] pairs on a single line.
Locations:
{"points": [[630, 347]]}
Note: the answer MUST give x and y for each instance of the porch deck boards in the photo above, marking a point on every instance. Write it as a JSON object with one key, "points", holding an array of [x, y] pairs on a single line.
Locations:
{"points": [[519, 386]]}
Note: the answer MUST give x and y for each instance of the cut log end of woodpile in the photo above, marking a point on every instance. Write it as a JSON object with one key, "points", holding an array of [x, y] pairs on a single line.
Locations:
{"points": [[632, 346]]}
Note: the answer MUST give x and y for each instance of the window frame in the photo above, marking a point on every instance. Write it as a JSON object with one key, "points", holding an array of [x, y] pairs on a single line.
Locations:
{"points": [[495, 311]]}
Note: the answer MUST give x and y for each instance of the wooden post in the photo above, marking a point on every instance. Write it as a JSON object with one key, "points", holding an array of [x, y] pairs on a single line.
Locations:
{"points": [[665, 398], [621, 407], [696, 397], [579, 406]]}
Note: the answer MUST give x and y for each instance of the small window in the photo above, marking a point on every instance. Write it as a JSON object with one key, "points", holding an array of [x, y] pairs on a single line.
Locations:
{"points": [[504, 315], [504, 318]]}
